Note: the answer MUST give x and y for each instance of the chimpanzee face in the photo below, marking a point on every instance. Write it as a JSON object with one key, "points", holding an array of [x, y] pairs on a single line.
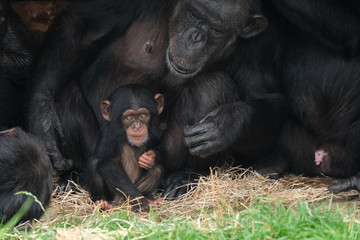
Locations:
{"points": [[200, 31], [133, 111], [136, 125], [203, 31]]}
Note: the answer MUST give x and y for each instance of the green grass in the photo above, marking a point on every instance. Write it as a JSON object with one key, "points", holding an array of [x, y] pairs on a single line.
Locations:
{"points": [[258, 221]]}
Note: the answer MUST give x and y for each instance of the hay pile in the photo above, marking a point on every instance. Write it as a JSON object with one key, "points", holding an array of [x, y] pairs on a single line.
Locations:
{"points": [[223, 190]]}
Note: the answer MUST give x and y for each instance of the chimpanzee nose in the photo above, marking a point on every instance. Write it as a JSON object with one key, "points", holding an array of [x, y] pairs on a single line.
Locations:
{"points": [[137, 126], [195, 38]]}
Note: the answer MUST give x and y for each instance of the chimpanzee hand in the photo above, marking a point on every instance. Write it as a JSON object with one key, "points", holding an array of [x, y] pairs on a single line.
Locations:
{"points": [[177, 184], [59, 162], [147, 160], [213, 133], [346, 184], [45, 124]]}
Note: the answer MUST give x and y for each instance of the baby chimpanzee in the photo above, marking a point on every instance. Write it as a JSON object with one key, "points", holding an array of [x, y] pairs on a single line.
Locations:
{"points": [[125, 163]]}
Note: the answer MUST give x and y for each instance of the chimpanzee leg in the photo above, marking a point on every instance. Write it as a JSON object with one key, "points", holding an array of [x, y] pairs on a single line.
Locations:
{"points": [[78, 131], [202, 95], [149, 182], [95, 183], [344, 157], [336, 156], [120, 185]]}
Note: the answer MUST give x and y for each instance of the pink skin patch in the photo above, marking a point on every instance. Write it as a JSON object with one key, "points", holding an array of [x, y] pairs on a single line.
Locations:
{"points": [[155, 203], [104, 205], [319, 156]]}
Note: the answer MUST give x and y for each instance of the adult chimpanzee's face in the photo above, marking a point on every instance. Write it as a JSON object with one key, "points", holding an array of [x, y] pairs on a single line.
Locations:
{"points": [[201, 31]]}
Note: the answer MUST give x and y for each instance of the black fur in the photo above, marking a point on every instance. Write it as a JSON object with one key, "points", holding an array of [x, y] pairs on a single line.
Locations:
{"points": [[24, 166], [17, 49]]}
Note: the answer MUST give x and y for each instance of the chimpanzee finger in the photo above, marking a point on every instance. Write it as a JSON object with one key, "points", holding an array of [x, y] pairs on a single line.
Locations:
{"points": [[104, 205], [145, 165], [147, 160], [181, 191], [150, 153], [197, 129], [170, 192], [209, 115], [346, 184], [203, 150], [340, 186], [197, 140]]}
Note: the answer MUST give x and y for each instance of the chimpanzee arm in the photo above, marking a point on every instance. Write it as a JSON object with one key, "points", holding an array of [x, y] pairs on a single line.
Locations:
{"points": [[252, 123], [246, 126], [94, 181], [76, 35]]}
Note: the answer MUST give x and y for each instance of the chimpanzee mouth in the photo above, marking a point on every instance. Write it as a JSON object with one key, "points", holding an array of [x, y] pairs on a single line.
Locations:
{"points": [[177, 68]]}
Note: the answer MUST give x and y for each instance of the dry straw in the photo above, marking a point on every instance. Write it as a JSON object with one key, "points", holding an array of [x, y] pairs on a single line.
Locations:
{"points": [[224, 191]]}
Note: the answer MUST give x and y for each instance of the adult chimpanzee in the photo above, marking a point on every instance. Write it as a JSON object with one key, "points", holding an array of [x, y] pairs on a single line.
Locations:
{"points": [[207, 93], [125, 161], [301, 79], [24, 166], [96, 46], [16, 55]]}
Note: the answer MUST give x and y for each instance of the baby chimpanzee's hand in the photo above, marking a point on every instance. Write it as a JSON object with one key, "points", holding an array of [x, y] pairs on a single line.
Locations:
{"points": [[147, 160]]}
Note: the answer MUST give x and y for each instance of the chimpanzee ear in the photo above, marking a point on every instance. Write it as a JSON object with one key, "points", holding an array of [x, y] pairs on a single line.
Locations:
{"points": [[9, 132], [160, 101], [255, 25], [105, 110]]}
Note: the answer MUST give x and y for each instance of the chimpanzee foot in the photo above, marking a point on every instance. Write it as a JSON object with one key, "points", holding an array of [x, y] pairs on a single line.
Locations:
{"points": [[139, 204], [269, 173], [346, 184], [66, 187], [157, 203], [68, 182], [61, 164], [179, 183], [103, 204], [271, 169]]}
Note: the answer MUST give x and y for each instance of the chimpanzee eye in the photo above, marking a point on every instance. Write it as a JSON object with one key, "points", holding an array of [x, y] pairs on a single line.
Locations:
{"points": [[129, 118], [143, 116], [190, 16], [216, 32]]}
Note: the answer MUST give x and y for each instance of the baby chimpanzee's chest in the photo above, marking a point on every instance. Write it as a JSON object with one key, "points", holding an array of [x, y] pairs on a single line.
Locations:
{"points": [[130, 161]]}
